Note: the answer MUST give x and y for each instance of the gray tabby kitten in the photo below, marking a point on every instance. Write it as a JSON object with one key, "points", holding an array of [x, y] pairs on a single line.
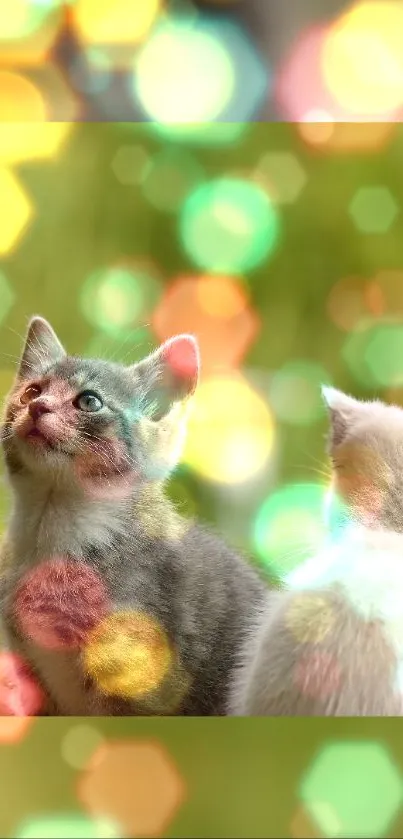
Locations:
{"points": [[119, 605], [331, 643]]}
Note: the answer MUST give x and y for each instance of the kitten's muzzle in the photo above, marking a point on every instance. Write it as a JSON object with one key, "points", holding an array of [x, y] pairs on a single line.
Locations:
{"points": [[37, 408]]}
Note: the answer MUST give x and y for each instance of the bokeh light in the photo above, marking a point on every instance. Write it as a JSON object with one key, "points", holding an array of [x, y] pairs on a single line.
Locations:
{"points": [[372, 352], [91, 70], [290, 526], [284, 175], [20, 99], [209, 134], [128, 654], [347, 303], [229, 225], [353, 789], [191, 70], [373, 209], [363, 59], [148, 804], [16, 211], [114, 21], [59, 602], [169, 177], [28, 29], [67, 826], [119, 298], [130, 164], [294, 392], [217, 310], [79, 744], [22, 141], [231, 431]]}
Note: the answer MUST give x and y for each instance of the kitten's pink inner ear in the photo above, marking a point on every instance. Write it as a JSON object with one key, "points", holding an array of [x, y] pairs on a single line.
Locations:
{"points": [[181, 357]]}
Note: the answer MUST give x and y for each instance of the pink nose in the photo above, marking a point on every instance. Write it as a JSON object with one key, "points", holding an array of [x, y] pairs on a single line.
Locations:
{"points": [[38, 407]]}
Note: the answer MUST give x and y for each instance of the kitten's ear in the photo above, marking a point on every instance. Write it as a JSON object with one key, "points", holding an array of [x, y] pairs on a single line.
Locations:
{"points": [[171, 373], [42, 347], [342, 410]]}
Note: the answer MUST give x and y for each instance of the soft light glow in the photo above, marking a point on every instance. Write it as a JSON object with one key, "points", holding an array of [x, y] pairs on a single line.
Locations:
{"points": [[183, 73], [363, 58], [352, 789], [20, 100], [21, 141], [22, 18], [295, 392], [69, 826], [214, 308], [290, 526], [15, 211], [284, 175], [229, 225], [231, 431], [114, 21], [373, 209], [117, 299], [169, 177]]}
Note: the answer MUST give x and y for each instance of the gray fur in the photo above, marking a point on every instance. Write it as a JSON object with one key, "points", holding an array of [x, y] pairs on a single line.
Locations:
{"points": [[356, 584], [197, 589]]}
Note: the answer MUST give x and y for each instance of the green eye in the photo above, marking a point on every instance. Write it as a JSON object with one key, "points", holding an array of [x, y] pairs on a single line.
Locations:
{"points": [[89, 401]]}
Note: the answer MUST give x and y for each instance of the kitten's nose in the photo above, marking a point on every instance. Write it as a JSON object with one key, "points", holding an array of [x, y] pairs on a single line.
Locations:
{"points": [[38, 407]]}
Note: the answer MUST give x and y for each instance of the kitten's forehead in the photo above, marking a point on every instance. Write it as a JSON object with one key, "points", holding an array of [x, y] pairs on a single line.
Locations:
{"points": [[83, 373], [380, 427]]}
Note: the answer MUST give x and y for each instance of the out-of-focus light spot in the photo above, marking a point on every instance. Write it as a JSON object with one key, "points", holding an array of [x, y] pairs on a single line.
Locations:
{"points": [[7, 297], [295, 392], [128, 655], [303, 97], [229, 225], [384, 353], [302, 827], [15, 211], [117, 299], [204, 133], [373, 209], [91, 70], [114, 21], [21, 141], [13, 729], [216, 309], [68, 826], [192, 70], [363, 58], [149, 803], [79, 744], [20, 99], [384, 293], [352, 789], [354, 350], [230, 432], [130, 164], [27, 30], [347, 303], [62, 104], [290, 526], [20, 694], [169, 177], [284, 175], [184, 74], [57, 604]]}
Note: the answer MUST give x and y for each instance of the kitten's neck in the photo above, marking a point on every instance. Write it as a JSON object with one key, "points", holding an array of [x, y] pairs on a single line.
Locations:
{"points": [[50, 519]]}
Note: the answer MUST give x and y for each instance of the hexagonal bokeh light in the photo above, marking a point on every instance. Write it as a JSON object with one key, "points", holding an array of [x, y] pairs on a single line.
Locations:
{"points": [[217, 310], [290, 525], [67, 826], [118, 298], [284, 175], [27, 30], [294, 392], [373, 209], [231, 431], [21, 141], [130, 163], [134, 783], [347, 303], [352, 789], [369, 34], [169, 177], [373, 353], [191, 70], [16, 210], [303, 96], [229, 225], [114, 21]]}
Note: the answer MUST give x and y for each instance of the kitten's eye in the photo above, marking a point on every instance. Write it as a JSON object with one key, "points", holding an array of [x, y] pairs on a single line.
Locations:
{"points": [[89, 401], [31, 392]]}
